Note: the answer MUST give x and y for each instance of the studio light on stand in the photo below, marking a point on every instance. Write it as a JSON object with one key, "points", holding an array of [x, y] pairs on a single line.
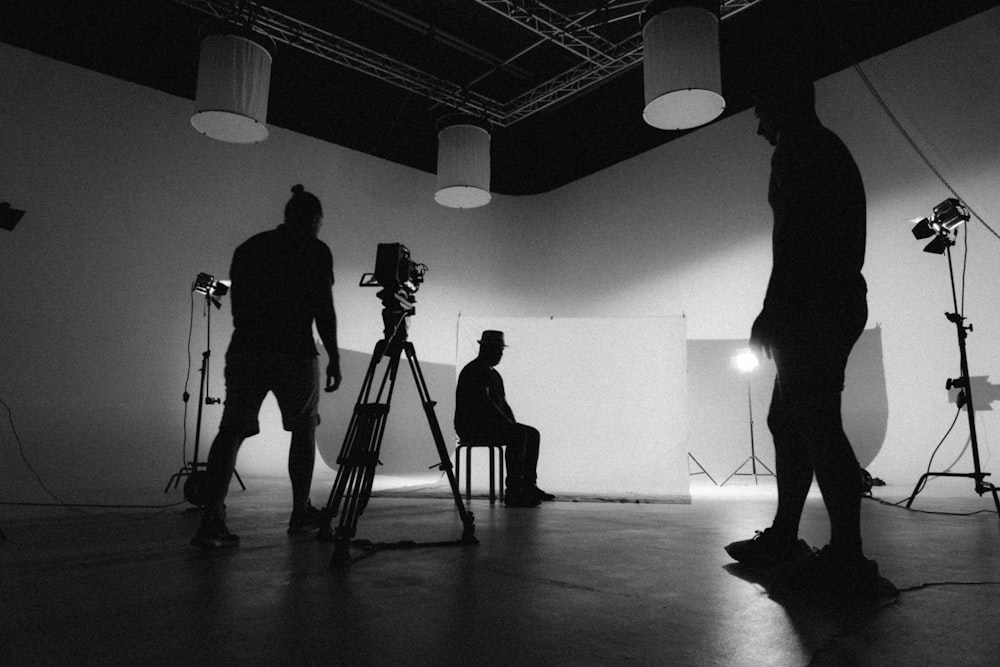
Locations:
{"points": [[196, 472], [745, 362], [463, 164], [943, 225], [680, 63], [234, 77]]}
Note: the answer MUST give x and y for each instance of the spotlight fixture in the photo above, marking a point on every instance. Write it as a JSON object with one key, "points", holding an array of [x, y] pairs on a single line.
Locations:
{"points": [[680, 63], [947, 216], [234, 75], [212, 289], [463, 165]]}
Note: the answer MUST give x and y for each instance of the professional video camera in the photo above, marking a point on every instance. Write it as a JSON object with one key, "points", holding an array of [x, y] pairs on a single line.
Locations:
{"points": [[400, 278]]}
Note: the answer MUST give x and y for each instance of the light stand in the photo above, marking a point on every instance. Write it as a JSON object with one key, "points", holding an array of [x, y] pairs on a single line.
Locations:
{"points": [[746, 361], [948, 215], [197, 472]]}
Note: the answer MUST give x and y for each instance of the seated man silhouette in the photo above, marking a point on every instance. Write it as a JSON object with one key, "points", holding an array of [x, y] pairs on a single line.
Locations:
{"points": [[483, 415]]}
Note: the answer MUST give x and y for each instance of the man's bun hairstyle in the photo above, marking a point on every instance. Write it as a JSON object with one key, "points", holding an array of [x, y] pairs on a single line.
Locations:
{"points": [[303, 207]]}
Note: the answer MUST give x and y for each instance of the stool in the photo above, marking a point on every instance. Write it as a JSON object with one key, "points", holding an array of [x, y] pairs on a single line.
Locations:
{"points": [[469, 446]]}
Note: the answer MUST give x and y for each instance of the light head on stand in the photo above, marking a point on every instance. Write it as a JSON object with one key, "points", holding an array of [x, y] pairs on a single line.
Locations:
{"points": [[212, 289], [948, 215]]}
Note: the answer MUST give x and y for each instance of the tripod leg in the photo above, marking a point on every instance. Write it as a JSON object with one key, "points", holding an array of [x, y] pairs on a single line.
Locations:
{"points": [[344, 472], [358, 459], [468, 521]]}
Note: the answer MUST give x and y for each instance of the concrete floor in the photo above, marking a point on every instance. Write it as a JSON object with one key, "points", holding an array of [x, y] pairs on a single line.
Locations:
{"points": [[569, 583]]}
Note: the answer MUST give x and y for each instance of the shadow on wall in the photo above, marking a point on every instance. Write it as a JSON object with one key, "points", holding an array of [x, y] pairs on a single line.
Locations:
{"points": [[865, 401], [407, 445], [725, 406]]}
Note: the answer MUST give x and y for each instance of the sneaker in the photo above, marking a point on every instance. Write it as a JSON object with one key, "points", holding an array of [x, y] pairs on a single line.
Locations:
{"points": [[304, 519], [213, 534], [766, 549], [835, 572], [541, 495], [519, 498]]}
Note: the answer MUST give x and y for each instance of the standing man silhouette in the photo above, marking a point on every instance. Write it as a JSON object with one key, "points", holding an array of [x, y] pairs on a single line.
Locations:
{"points": [[814, 311], [282, 284]]}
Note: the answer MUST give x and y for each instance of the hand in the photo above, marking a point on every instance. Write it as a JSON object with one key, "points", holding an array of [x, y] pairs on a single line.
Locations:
{"points": [[333, 377], [760, 337], [760, 348]]}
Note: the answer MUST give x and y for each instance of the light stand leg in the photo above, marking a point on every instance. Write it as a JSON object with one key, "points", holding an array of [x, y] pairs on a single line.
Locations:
{"points": [[700, 467]]}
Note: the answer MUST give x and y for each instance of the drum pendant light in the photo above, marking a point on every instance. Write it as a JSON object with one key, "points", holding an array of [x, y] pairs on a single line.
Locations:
{"points": [[681, 73]]}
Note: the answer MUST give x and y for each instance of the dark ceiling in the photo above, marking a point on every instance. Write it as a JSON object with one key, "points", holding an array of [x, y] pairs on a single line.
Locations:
{"points": [[560, 81]]}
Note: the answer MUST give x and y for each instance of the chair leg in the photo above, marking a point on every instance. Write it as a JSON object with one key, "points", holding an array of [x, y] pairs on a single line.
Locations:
{"points": [[492, 472], [503, 481], [468, 474]]}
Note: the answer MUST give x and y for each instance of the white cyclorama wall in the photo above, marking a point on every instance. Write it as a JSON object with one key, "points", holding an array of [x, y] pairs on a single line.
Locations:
{"points": [[685, 228], [612, 418], [126, 204]]}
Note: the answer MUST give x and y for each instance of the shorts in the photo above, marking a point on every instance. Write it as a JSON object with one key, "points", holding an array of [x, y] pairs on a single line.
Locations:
{"points": [[294, 381], [816, 363]]}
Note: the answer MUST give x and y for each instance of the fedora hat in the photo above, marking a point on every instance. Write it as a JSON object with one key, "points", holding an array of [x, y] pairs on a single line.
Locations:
{"points": [[491, 337]]}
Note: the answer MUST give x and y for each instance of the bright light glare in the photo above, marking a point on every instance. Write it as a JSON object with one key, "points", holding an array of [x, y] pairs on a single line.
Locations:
{"points": [[746, 361]]}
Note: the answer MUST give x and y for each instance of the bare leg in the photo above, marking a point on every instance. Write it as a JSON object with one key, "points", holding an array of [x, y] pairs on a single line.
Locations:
{"points": [[792, 463], [221, 464], [301, 461]]}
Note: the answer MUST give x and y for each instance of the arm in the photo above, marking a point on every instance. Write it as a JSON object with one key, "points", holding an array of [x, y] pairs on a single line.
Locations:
{"points": [[326, 324], [500, 406]]}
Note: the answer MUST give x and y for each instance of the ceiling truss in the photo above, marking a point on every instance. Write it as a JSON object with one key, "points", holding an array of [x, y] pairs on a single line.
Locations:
{"points": [[600, 58]]}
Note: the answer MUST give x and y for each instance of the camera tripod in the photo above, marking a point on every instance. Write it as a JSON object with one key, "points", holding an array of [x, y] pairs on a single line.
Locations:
{"points": [[964, 385], [359, 454]]}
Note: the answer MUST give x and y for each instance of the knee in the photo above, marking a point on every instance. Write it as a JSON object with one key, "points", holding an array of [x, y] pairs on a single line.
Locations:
{"points": [[530, 434]]}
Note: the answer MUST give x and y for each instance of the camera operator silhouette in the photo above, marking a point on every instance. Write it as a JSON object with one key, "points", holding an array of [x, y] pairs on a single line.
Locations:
{"points": [[282, 283]]}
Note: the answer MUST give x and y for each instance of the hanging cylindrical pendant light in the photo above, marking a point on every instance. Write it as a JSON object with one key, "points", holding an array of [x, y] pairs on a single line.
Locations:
{"points": [[463, 164], [234, 75], [680, 42]]}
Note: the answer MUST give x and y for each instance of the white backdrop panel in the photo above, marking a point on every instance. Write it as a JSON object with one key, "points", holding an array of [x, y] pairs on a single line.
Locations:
{"points": [[608, 395]]}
